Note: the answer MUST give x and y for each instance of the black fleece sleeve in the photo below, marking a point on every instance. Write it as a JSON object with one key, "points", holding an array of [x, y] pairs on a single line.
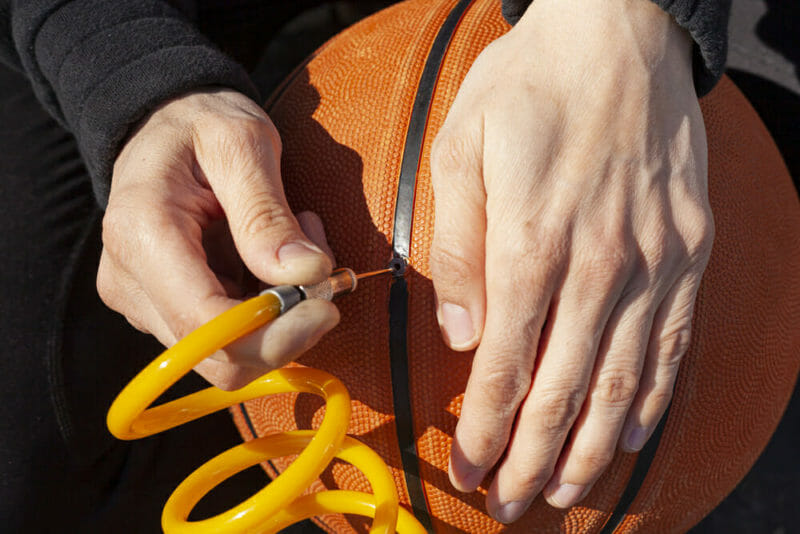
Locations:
{"points": [[98, 66], [705, 20]]}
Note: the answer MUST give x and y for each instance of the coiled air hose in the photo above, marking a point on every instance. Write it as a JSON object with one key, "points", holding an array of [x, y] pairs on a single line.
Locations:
{"points": [[281, 502]]}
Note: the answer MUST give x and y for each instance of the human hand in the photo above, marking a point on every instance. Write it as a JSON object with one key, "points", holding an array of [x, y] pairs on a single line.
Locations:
{"points": [[572, 230], [196, 202]]}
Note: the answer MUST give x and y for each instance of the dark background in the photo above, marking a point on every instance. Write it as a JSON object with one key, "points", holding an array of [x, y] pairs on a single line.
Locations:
{"points": [[764, 61]]}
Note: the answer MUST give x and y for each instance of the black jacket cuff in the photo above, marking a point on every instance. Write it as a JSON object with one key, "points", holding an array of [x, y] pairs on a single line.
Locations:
{"points": [[99, 67], [707, 23]]}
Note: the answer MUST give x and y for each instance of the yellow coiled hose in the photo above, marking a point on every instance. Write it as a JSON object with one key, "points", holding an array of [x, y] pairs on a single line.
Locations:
{"points": [[280, 503]]}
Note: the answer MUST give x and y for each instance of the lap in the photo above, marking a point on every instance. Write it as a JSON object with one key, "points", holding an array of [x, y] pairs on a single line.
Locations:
{"points": [[66, 355]]}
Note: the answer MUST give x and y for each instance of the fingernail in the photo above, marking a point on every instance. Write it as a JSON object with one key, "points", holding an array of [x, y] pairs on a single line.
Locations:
{"points": [[510, 512], [636, 439], [469, 481], [566, 495], [294, 251], [457, 325]]}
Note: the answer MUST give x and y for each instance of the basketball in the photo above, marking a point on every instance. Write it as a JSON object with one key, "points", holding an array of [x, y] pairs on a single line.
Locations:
{"points": [[357, 122]]}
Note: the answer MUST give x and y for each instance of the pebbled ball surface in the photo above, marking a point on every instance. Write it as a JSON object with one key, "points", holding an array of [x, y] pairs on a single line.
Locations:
{"points": [[343, 118]]}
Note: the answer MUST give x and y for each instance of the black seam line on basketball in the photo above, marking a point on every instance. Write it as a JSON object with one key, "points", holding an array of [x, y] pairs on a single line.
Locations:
{"points": [[401, 245], [398, 354], [247, 420], [415, 136], [643, 462]]}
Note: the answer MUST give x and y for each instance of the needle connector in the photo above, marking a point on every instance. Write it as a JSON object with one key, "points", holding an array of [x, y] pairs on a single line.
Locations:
{"points": [[340, 282]]}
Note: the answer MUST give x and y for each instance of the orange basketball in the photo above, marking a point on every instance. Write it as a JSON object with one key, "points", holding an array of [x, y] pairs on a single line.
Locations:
{"points": [[363, 112]]}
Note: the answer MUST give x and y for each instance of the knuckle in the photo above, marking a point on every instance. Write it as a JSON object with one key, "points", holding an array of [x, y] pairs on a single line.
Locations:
{"points": [[607, 264], [105, 285], [610, 247], [237, 141], [696, 231], [674, 344], [614, 257], [125, 234], [448, 263], [538, 260], [701, 241], [241, 138], [253, 131], [114, 227], [530, 479], [557, 409], [483, 448], [593, 461], [137, 324], [616, 387], [544, 245], [504, 386], [661, 250], [660, 397], [262, 213], [181, 324]]}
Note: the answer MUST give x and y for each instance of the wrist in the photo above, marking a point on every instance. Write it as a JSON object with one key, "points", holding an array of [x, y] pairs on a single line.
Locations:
{"points": [[636, 34]]}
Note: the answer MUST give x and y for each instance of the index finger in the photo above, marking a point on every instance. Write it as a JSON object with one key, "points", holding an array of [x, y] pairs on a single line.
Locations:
{"points": [[517, 305]]}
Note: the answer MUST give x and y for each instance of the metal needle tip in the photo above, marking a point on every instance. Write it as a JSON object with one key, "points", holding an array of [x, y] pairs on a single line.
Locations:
{"points": [[370, 274]]}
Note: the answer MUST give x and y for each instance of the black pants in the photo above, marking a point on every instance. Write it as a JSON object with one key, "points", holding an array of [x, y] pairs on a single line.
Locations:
{"points": [[65, 355]]}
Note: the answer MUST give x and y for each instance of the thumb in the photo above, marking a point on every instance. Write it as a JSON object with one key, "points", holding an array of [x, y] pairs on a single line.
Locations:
{"points": [[458, 251], [243, 169]]}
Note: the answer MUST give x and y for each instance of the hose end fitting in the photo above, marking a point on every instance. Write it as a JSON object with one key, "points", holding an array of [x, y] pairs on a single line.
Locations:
{"points": [[340, 282]]}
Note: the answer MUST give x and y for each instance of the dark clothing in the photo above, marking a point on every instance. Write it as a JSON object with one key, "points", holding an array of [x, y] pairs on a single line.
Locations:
{"points": [[65, 355], [98, 67]]}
